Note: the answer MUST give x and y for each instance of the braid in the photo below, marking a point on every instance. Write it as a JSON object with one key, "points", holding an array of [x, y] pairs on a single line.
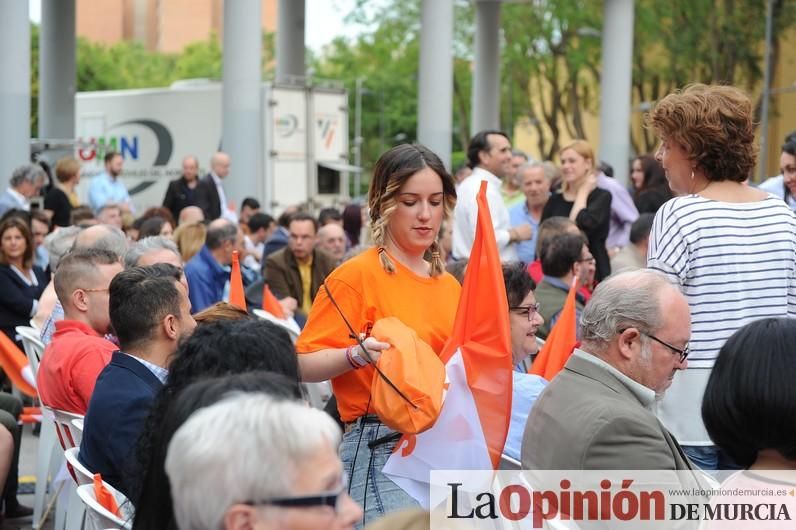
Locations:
{"points": [[437, 264], [380, 218]]}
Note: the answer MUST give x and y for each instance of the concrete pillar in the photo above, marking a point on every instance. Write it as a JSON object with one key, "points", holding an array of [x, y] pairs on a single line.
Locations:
{"points": [[616, 86], [15, 87], [290, 40], [435, 90], [486, 75], [57, 72], [241, 118]]}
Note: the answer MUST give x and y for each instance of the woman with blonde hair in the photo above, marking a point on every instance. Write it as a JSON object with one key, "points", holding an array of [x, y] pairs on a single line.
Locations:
{"points": [[583, 202], [190, 239], [410, 195], [62, 197], [729, 247]]}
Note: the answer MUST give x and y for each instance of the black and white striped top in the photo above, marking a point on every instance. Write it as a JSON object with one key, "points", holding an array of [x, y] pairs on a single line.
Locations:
{"points": [[734, 262]]}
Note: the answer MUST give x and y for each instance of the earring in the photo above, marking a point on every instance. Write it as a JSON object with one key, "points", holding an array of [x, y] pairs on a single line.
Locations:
{"points": [[692, 174]]}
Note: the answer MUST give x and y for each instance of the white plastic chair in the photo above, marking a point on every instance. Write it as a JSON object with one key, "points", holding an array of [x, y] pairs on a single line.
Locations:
{"points": [[48, 462], [77, 423], [76, 510], [68, 435], [98, 517], [317, 394], [288, 324], [34, 347]]}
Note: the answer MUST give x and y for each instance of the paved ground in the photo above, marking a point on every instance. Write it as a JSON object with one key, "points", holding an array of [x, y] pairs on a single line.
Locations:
{"points": [[27, 473]]}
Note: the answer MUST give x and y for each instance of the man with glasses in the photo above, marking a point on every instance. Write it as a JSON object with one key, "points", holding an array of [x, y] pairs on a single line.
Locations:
{"points": [[598, 412], [78, 351], [564, 257], [261, 463]]}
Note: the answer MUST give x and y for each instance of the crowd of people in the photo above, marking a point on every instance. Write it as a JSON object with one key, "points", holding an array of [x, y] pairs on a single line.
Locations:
{"points": [[685, 294]]}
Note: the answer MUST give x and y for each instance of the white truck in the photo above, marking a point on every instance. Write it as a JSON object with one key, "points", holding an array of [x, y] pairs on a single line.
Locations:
{"points": [[304, 132]]}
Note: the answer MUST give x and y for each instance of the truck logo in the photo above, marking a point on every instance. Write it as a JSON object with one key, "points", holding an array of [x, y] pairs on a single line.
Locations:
{"points": [[286, 125], [127, 146]]}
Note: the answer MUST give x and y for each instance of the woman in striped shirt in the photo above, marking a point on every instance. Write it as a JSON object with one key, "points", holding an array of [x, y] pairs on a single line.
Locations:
{"points": [[731, 248]]}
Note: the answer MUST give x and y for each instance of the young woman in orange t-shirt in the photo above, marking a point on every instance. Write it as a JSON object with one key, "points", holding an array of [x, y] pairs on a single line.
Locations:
{"points": [[410, 195]]}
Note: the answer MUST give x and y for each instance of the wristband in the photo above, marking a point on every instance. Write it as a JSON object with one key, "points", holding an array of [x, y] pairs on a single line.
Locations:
{"points": [[355, 356], [348, 358]]}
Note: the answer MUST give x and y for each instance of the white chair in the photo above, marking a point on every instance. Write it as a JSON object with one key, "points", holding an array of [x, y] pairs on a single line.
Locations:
{"points": [[317, 394], [77, 423], [76, 510], [48, 462], [34, 347], [68, 435], [98, 517]]}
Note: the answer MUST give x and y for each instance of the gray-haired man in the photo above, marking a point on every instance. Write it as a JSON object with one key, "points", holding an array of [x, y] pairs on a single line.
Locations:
{"points": [[25, 183]]}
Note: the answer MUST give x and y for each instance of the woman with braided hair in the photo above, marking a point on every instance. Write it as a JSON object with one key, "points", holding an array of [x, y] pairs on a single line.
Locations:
{"points": [[410, 195]]}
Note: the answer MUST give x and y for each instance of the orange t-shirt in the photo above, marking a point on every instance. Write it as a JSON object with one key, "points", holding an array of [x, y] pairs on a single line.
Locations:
{"points": [[365, 293]]}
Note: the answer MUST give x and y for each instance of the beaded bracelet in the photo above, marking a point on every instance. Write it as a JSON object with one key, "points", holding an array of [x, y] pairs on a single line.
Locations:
{"points": [[350, 360]]}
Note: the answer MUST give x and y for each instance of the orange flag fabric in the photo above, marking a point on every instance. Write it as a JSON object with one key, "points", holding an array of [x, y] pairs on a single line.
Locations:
{"points": [[236, 294], [104, 497], [472, 427], [271, 304], [561, 341]]}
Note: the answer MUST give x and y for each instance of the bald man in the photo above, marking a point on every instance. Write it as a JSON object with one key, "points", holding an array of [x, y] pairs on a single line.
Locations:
{"points": [[212, 197], [331, 238], [182, 192]]}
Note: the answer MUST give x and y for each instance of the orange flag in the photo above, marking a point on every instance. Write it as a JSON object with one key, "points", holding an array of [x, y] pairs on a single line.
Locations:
{"points": [[472, 427], [105, 497], [236, 296], [561, 341], [271, 304]]}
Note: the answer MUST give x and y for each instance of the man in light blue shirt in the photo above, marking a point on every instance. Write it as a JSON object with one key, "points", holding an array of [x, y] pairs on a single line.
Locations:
{"points": [[535, 183], [107, 188]]}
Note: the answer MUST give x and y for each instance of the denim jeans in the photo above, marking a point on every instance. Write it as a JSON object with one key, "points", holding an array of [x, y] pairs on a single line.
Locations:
{"points": [[709, 457], [372, 490]]}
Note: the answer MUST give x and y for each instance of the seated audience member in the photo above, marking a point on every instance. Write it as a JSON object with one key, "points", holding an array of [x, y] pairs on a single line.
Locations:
{"points": [[597, 412], [159, 211], [248, 207], [10, 442], [78, 350], [750, 398], [154, 507], [151, 313], [58, 244], [278, 239], [634, 255], [83, 217], [155, 226], [548, 229], [535, 181], [25, 183], [564, 258], [151, 250], [299, 269], [524, 320], [62, 198], [103, 237], [331, 239], [207, 272], [215, 349], [40, 229], [260, 228], [352, 224], [218, 483], [110, 214], [190, 215], [190, 239], [221, 311], [21, 282], [330, 216]]}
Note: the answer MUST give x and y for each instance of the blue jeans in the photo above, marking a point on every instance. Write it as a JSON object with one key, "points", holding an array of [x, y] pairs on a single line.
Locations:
{"points": [[709, 457], [372, 490]]}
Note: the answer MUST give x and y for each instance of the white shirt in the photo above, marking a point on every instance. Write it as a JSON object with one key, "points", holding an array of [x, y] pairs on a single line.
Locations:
{"points": [[21, 199], [465, 215], [253, 261], [226, 213]]}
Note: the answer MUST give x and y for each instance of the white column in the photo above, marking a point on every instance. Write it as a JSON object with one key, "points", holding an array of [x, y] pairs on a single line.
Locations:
{"points": [[486, 75], [241, 119], [435, 90], [616, 86], [57, 71], [290, 40], [15, 87]]}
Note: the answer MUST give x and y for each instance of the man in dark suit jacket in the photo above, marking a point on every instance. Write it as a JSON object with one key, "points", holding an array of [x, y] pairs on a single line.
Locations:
{"points": [[596, 414], [298, 270], [150, 311], [211, 197], [184, 191]]}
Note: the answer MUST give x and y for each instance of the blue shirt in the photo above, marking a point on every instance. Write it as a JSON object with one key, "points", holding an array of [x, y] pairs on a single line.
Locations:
{"points": [[519, 215], [527, 388], [206, 280], [104, 189]]}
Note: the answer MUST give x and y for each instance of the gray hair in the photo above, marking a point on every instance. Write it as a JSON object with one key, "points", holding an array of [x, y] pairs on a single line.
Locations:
{"points": [[113, 239], [59, 242], [219, 232], [108, 206], [27, 173], [625, 300], [550, 170], [146, 245], [243, 448]]}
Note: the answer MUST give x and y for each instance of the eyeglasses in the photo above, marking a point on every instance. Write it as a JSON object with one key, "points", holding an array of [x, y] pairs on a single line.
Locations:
{"points": [[97, 290], [527, 310], [331, 499], [682, 353]]}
